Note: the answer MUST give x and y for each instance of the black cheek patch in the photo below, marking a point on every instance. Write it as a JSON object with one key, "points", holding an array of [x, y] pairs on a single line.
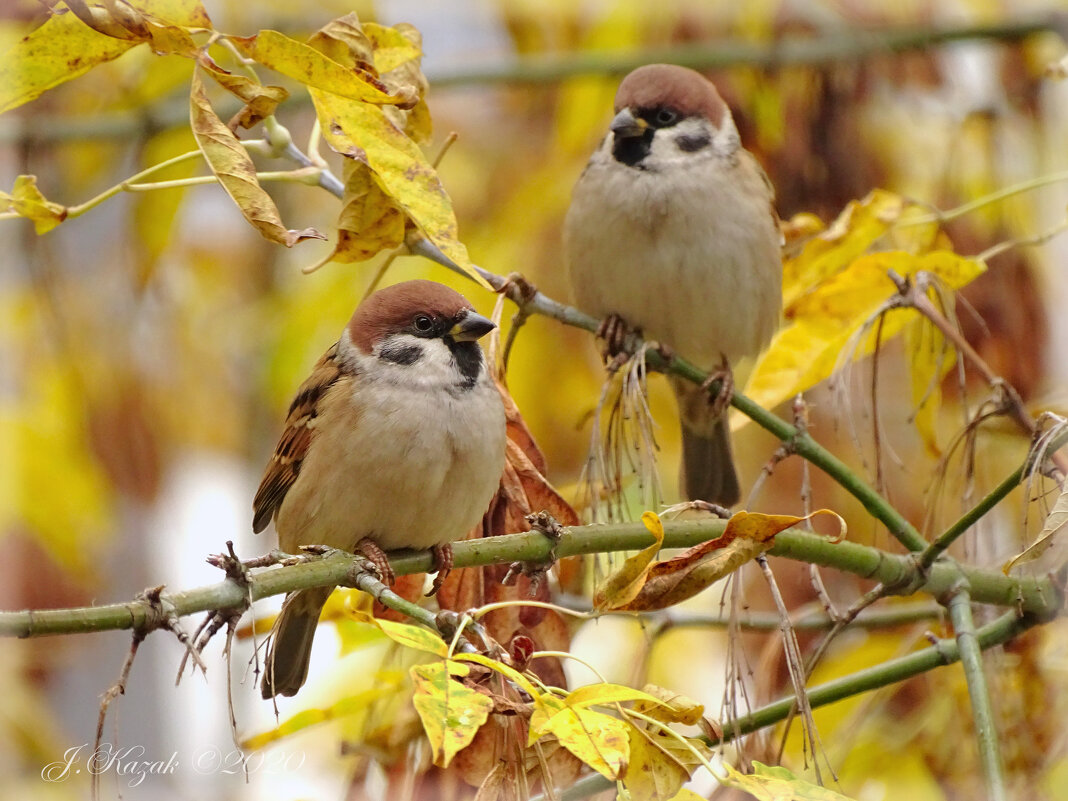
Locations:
{"points": [[400, 354], [691, 144]]}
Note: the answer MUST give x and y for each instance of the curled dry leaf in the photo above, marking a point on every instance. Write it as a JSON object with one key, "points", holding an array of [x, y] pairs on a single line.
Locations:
{"points": [[748, 534], [1050, 550], [260, 101], [232, 166]]}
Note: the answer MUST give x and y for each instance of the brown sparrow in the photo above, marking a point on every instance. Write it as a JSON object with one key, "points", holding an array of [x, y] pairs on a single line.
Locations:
{"points": [[396, 440], [671, 227]]}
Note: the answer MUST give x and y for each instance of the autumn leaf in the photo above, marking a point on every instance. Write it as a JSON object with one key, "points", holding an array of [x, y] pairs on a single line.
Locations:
{"points": [[670, 706], [622, 586], [599, 740], [314, 69], [450, 711], [659, 764], [233, 167], [260, 101], [363, 132], [387, 684], [768, 783], [65, 47], [27, 201], [827, 318], [860, 225], [370, 221], [405, 634], [747, 535], [1052, 551]]}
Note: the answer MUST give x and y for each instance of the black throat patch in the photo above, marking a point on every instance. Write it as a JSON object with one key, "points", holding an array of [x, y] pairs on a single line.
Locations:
{"points": [[468, 358], [632, 150]]}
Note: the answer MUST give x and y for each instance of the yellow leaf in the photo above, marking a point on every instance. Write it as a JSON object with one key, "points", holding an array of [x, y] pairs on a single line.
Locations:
{"points": [[393, 46], [670, 706], [451, 712], [402, 633], [233, 167], [413, 637], [767, 783], [546, 707], [385, 685], [260, 101], [599, 740], [500, 667], [825, 319], [658, 765], [27, 201], [929, 360], [857, 228], [370, 220], [1055, 552], [363, 132], [64, 47], [621, 587], [315, 70], [605, 693]]}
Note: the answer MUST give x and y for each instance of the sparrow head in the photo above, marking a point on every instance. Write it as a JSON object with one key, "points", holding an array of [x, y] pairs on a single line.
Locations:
{"points": [[425, 324], [666, 113]]}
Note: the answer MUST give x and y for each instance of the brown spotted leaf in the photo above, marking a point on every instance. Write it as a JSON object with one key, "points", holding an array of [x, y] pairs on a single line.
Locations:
{"points": [[232, 166], [260, 101], [370, 220], [316, 70], [451, 712]]}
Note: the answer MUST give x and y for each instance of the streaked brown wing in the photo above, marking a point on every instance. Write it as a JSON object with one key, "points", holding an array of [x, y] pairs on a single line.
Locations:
{"points": [[292, 447]]}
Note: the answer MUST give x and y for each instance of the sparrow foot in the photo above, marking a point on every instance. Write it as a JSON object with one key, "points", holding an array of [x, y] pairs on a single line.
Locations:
{"points": [[443, 564], [615, 331], [368, 548], [549, 527], [722, 399]]}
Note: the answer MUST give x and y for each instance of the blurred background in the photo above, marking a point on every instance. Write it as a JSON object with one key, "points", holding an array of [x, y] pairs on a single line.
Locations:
{"points": [[150, 348]]}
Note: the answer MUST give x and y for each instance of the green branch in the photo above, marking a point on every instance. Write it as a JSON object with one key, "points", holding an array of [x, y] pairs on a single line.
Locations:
{"points": [[967, 641], [1038, 597]]}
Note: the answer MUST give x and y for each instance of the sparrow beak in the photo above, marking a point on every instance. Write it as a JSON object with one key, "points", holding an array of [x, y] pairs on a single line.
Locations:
{"points": [[625, 125], [471, 327]]}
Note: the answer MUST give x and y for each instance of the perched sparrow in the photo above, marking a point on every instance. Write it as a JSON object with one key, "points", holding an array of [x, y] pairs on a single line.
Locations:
{"points": [[671, 227], [396, 440]]}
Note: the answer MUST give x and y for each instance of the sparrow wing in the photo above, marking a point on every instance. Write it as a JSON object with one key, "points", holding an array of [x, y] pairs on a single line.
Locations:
{"points": [[292, 447]]}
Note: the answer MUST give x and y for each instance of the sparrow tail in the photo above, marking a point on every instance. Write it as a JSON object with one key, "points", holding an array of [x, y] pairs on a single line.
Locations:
{"points": [[286, 665], [708, 472]]}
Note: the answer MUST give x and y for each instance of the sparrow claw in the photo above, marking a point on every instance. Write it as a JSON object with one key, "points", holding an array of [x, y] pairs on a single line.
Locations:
{"points": [[518, 289], [722, 399], [615, 332], [378, 559], [549, 527], [443, 565]]}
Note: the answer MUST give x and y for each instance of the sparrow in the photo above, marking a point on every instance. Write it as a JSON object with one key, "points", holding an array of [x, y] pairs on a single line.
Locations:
{"points": [[396, 440], [672, 228]]}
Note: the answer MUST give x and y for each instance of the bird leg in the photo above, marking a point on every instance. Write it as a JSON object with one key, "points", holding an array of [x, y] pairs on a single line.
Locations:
{"points": [[368, 548], [615, 331], [722, 399], [442, 564]]}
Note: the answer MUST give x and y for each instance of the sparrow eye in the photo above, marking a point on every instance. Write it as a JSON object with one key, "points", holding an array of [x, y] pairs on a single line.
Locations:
{"points": [[422, 323], [666, 116]]}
